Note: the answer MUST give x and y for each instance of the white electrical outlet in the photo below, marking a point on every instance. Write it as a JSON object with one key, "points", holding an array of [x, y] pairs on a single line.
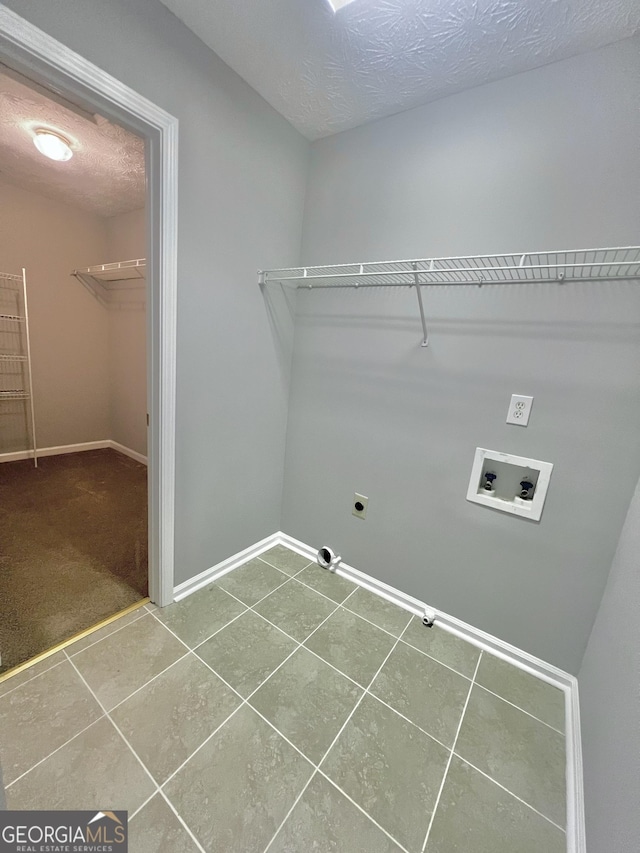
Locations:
{"points": [[360, 506], [519, 410]]}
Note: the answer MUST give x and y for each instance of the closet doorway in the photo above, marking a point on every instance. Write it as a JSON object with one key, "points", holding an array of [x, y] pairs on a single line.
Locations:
{"points": [[73, 372]]}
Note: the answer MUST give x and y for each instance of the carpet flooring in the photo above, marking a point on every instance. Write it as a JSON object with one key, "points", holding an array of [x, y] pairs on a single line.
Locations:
{"points": [[73, 547]]}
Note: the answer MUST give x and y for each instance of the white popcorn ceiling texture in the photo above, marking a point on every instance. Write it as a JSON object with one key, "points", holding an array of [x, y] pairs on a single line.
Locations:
{"points": [[326, 72], [106, 174]]}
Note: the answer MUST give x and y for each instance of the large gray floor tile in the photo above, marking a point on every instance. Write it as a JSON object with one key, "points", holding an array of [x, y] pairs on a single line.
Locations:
{"points": [[308, 702], [379, 611], [170, 717], [351, 644], [30, 672], [235, 792], [95, 770], [124, 661], [105, 631], [322, 580], [325, 820], [296, 609], [426, 692], [539, 698], [200, 614], [40, 716], [476, 816], [390, 768], [522, 754], [246, 652], [285, 559], [443, 646], [252, 581], [156, 829]]}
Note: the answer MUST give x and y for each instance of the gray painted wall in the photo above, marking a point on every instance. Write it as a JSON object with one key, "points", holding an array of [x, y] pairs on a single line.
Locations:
{"points": [[69, 328], [242, 176], [543, 160], [609, 682], [126, 240]]}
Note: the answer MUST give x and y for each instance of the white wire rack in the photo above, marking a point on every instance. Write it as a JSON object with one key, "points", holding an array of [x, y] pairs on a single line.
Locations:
{"points": [[110, 274], [16, 380], [560, 267]]}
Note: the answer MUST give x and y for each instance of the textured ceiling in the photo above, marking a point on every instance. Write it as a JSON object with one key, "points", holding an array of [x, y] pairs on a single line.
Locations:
{"points": [[105, 174], [326, 72]]}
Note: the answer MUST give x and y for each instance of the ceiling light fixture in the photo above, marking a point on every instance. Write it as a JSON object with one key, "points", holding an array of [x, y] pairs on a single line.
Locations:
{"points": [[52, 145], [338, 4]]}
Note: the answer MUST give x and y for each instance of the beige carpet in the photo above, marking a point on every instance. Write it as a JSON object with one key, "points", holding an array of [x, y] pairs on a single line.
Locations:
{"points": [[73, 547]]}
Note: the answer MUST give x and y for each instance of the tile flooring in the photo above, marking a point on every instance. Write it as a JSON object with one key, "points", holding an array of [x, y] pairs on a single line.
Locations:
{"points": [[285, 709]]}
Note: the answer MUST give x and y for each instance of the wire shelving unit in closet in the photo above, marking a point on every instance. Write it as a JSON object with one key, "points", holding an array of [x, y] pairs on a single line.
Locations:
{"points": [[16, 380], [558, 267]]}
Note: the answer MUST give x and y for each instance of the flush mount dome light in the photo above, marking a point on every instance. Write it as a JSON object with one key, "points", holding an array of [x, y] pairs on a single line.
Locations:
{"points": [[338, 4], [52, 145]]}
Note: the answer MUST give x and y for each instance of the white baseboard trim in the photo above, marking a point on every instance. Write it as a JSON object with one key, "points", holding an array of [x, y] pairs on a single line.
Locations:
{"points": [[133, 454], [547, 672], [73, 448], [210, 575], [576, 842], [55, 451]]}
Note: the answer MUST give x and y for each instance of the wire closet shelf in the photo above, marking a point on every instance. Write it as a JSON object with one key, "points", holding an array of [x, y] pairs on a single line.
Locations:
{"points": [[111, 274], [560, 267]]}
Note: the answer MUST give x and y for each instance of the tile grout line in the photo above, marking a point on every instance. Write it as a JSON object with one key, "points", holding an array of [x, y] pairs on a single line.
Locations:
{"points": [[511, 794], [122, 701], [340, 672], [361, 809], [453, 746], [431, 657], [29, 680], [366, 691], [301, 644], [331, 745], [206, 640], [380, 628], [391, 634], [162, 794], [135, 754], [322, 773], [405, 642], [150, 681], [244, 701], [57, 749], [60, 651], [280, 585], [139, 809], [142, 611], [518, 708], [260, 557]]}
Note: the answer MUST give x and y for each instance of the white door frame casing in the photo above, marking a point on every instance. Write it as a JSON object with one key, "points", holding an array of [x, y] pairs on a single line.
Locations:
{"points": [[39, 56]]}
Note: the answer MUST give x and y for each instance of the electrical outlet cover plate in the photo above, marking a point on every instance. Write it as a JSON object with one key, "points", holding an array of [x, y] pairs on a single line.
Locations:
{"points": [[519, 410], [526, 509], [360, 513]]}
